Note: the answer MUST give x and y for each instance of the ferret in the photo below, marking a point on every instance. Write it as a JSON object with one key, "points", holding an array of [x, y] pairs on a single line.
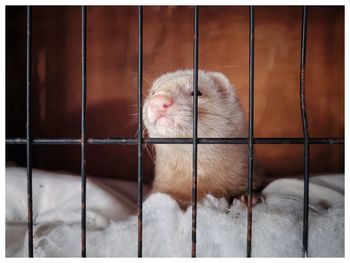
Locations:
{"points": [[167, 113]]}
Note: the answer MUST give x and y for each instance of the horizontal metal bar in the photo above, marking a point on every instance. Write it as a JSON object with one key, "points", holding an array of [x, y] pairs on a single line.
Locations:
{"points": [[43, 141], [271, 141], [130, 141], [112, 141]]}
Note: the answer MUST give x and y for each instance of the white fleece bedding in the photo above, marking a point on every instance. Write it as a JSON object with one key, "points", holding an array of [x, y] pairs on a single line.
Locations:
{"points": [[221, 232]]}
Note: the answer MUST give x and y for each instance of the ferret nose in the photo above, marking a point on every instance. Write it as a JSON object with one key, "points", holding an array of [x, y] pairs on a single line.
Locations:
{"points": [[160, 103]]}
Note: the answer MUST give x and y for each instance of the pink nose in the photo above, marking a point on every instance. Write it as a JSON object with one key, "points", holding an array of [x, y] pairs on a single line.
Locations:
{"points": [[160, 103]]}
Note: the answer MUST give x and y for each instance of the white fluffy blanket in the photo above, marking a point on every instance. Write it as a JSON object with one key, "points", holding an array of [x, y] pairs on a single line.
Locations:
{"points": [[221, 232]]}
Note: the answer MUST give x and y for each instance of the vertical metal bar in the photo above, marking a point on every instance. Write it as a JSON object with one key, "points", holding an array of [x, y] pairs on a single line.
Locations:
{"points": [[29, 132], [195, 127], [139, 133], [251, 129], [305, 130], [83, 131]]}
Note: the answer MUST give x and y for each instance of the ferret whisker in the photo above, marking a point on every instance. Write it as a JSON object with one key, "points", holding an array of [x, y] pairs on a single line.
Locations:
{"points": [[218, 115], [146, 80], [132, 120], [144, 134], [143, 77], [148, 151]]}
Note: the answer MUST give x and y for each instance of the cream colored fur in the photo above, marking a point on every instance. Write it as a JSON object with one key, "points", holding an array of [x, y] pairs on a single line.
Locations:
{"points": [[222, 169]]}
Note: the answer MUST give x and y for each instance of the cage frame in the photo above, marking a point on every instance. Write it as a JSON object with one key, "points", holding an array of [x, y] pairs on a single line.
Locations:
{"points": [[250, 141]]}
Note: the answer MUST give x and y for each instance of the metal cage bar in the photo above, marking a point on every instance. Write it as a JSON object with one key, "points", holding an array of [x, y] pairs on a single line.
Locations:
{"points": [[195, 131], [83, 131], [305, 130], [139, 133], [251, 130], [131, 141], [29, 131]]}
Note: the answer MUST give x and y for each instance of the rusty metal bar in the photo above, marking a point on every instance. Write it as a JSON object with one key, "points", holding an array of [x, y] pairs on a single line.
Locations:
{"points": [[195, 132], [305, 130], [29, 131], [83, 131], [139, 134]]}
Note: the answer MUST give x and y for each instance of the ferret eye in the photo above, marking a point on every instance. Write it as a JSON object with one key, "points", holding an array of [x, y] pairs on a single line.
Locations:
{"points": [[199, 93]]}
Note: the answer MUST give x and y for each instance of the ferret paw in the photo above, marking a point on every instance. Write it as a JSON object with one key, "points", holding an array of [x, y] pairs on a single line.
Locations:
{"points": [[256, 199]]}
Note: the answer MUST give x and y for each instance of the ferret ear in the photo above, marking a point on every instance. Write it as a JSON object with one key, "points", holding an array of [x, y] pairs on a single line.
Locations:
{"points": [[222, 84]]}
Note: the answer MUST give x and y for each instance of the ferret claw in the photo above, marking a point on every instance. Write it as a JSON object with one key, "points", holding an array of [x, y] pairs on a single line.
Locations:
{"points": [[256, 199]]}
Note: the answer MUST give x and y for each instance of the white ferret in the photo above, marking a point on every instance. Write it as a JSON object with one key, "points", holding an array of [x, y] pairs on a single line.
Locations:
{"points": [[167, 113]]}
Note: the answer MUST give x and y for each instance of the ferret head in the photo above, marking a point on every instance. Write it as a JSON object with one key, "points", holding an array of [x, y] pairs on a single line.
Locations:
{"points": [[167, 111]]}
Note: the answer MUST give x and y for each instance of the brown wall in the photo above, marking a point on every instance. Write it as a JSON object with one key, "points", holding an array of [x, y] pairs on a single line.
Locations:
{"points": [[168, 36]]}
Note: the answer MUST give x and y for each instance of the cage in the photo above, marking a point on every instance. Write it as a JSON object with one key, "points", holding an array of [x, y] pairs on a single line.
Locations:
{"points": [[86, 69]]}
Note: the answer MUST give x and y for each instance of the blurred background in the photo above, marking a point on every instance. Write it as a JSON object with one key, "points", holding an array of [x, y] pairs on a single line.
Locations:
{"points": [[168, 46]]}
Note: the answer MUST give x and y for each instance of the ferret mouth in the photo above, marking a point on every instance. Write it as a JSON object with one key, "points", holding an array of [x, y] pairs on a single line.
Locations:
{"points": [[165, 126], [164, 122]]}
